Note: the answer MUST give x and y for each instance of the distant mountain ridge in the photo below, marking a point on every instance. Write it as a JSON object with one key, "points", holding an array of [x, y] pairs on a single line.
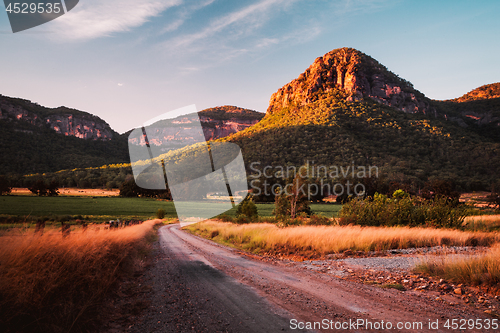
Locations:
{"points": [[63, 120], [216, 123], [38, 139], [488, 91]]}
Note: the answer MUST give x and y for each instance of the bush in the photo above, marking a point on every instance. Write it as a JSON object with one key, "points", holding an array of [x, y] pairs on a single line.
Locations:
{"points": [[319, 220], [267, 219], [160, 213], [287, 222], [247, 209], [225, 218], [242, 219], [403, 210]]}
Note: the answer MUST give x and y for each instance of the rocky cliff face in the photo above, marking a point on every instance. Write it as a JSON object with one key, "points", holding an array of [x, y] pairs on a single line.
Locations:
{"points": [[62, 120], [216, 123], [216, 128], [356, 75]]}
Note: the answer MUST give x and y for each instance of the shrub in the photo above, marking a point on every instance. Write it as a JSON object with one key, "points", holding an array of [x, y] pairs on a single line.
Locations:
{"points": [[319, 220], [402, 210], [247, 209], [225, 218], [242, 219], [287, 222], [160, 213]]}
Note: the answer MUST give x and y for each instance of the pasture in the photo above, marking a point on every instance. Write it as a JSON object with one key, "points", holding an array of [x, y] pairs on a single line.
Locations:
{"points": [[105, 208]]}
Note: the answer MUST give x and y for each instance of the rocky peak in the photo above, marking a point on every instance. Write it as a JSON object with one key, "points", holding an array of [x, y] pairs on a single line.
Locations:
{"points": [[356, 75]]}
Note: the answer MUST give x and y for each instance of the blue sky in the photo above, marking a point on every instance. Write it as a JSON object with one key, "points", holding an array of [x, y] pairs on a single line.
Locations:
{"points": [[130, 60]]}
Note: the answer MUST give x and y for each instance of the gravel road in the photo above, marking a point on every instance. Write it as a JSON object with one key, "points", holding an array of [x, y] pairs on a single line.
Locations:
{"points": [[200, 286]]}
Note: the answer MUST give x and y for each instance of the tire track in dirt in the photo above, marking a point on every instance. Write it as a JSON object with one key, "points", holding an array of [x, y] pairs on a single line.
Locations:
{"points": [[202, 286]]}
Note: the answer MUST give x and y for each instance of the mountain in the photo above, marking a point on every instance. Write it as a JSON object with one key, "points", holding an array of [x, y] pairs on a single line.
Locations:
{"points": [[37, 139], [488, 91], [348, 109], [478, 110], [217, 122], [358, 76], [69, 122]]}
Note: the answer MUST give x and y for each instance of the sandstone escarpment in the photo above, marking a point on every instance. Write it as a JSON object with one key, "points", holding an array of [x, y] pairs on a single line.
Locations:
{"points": [[62, 120], [356, 75], [216, 123]]}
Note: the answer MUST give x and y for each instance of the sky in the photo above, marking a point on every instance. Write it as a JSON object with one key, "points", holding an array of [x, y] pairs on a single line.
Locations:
{"points": [[128, 61]]}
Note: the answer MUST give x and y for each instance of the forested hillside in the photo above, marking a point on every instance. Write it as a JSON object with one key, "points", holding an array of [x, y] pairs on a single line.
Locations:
{"points": [[347, 108]]}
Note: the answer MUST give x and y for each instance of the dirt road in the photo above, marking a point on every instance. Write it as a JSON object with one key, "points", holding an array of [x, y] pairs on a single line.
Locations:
{"points": [[200, 286]]}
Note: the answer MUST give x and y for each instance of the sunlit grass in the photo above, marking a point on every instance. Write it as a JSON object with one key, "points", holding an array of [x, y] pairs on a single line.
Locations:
{"points": [[477, 270], [322, 240], [483, 222], [51, 283]]}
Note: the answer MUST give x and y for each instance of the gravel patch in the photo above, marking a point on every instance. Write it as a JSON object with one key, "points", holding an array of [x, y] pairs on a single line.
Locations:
{"points": [[397, 259]]}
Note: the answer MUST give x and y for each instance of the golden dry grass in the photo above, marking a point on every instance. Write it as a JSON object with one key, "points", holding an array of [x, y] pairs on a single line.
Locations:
{"points": [[483, 222], [481, 269], [51, 283], [316, 241]]}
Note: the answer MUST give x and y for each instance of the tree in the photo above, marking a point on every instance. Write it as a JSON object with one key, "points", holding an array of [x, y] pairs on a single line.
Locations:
{"points": [[4, 186], [130, 189], [53, 189], [294, 199], [40, 188]]}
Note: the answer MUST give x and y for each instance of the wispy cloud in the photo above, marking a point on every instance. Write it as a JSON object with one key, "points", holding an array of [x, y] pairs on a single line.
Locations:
{"points": [[354, 6], [247, 19], [96, 18], [184, 14]]}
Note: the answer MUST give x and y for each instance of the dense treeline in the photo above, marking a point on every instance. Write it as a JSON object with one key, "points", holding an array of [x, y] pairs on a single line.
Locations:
{"points": [[26, 148], [109, 176]]}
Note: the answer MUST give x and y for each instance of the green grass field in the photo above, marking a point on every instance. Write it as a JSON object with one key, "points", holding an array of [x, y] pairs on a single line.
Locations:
{"points": [[98, 208], [102, 208]]}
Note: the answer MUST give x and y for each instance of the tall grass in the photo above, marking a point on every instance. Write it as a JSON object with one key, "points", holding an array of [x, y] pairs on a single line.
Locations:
{"points": [[483, 222], [53, 284], [481, 269], [322, 240]]}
